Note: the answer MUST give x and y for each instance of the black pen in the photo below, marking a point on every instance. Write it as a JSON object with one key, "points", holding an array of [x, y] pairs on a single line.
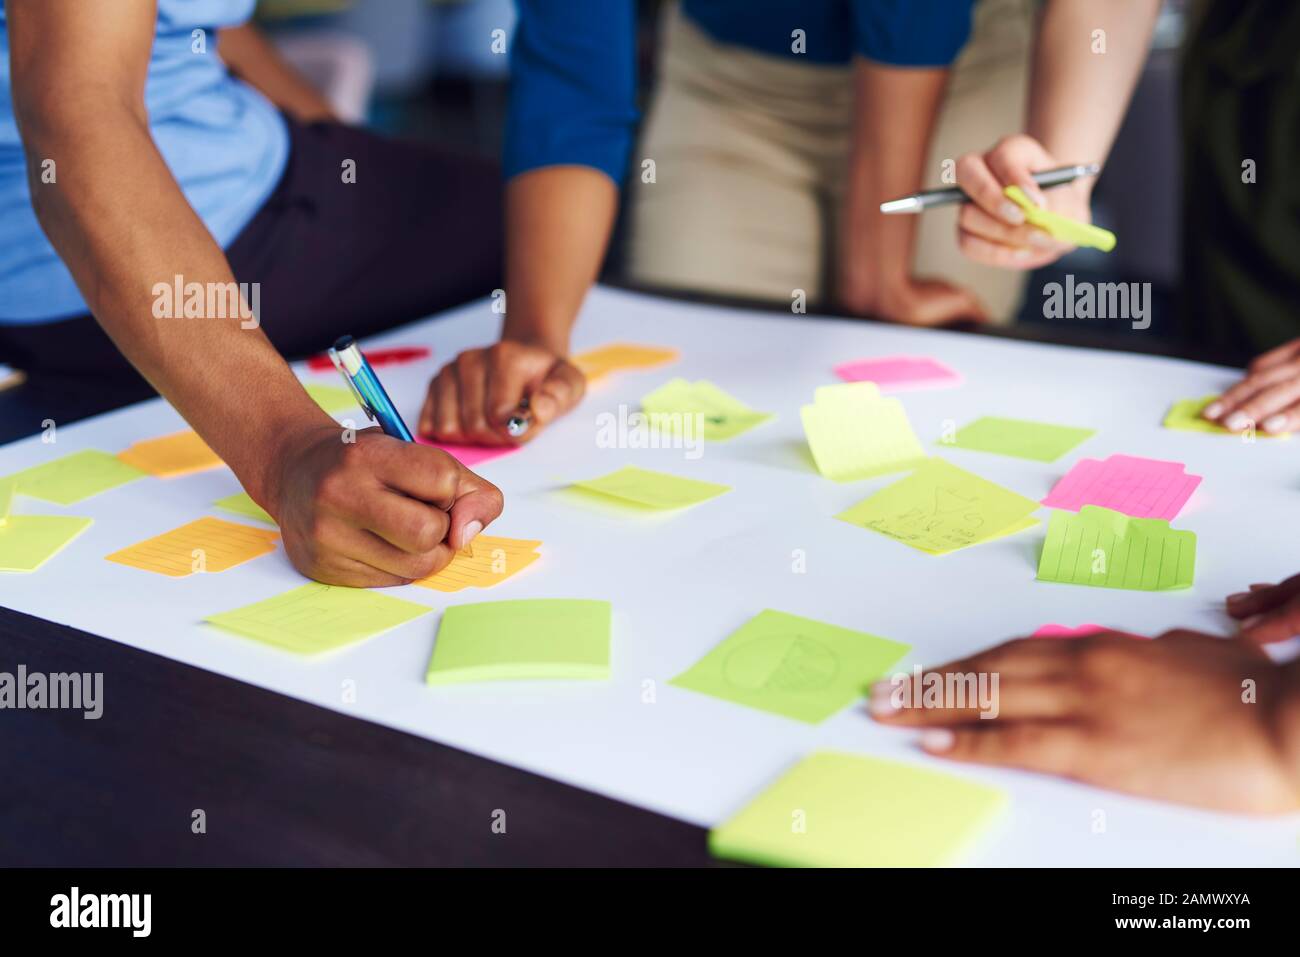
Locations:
{"points": [[920, 202]]}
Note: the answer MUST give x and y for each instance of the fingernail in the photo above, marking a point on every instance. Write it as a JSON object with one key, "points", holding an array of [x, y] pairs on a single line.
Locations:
{"points": [[1249, 623], [1213, 410], [1012, 213], [940, 739], [1233, 599], [1237, 422], [1036, 196], [471, 532], [882, 701], [1275, 423], [1041, 239]]}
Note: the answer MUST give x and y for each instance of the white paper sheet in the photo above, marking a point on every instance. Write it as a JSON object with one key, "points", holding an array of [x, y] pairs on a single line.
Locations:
{"points": [[681, 583]]}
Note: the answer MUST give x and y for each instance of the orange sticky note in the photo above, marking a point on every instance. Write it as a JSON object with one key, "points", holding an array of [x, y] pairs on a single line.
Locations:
{"points": [[206, 545], [597, 363], [171, 455], [489, 561]]}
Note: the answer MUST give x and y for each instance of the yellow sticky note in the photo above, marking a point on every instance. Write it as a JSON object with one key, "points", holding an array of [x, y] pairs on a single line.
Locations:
{"points": [[332, 398], [29, 541], [241, 503], [488, 561], [858, 812], [677, 406], [1186, 415], [854, 433], [654, 490], [179, 454], [71, 478], [316, 617], [1108, 549], [940, 508], [6, 498], [205, 545], [1060, 227], [599, 362]]}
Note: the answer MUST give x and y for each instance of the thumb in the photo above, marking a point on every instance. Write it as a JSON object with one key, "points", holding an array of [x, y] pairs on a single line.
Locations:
{"points": [[478, 504]]}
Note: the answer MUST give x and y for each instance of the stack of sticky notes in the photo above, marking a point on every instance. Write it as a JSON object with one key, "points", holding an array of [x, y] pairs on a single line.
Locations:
{"points": [[172, 455], [522, 640], [677, 405], [205, 545], [940, 508], [69, 479], [1142, 488], [855, 433], [1019, 438], [900, 373], [644, 489], [792, 666], [1105, 548], [842, 810], [316, 617], [488, 561], [598, 363], [1186, 416]]}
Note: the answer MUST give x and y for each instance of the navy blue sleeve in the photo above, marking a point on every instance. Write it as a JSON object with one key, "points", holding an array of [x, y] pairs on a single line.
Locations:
{"points": [[911, 32], [573, 86]]}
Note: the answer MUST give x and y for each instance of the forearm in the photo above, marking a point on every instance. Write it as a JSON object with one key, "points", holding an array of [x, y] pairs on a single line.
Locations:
{"points": [[1078, 97], [558, 222], [122, 235], [894, 115], [256, 61], [1286, 722]]}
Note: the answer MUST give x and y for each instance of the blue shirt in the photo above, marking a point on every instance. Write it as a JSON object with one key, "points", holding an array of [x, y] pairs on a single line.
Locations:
{"points": [[572, 99], [225, 144]]}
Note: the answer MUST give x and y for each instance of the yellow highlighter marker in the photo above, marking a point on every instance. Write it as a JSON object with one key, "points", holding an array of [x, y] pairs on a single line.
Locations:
{"points": [[1060, 227]]}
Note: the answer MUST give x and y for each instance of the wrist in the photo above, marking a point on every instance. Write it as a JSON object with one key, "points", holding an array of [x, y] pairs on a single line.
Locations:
{"points": [[284, 438], [551, 336]]}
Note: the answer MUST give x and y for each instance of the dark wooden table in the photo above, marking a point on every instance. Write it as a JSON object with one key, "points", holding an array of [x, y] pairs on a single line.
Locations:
{"points": [[279, 781]]}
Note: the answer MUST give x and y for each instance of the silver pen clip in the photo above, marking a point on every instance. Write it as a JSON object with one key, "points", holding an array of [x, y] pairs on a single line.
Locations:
{"points": [[361, 400]]}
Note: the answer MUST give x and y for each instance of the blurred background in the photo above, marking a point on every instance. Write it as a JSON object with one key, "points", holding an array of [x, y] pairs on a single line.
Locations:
{"points": [[436, 69]]}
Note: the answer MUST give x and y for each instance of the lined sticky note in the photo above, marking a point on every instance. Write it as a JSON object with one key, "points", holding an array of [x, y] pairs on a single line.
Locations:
{"points": [[654, 490], [1142, 488], [1185, 415], [678, 405], [854, 433], [29, 541], [204, 545], [1039, 441], [317, 618], [489, 561], [522, 640], [1106, 549], [73, 478], [844, 810], [1060, 227], [900, 373], [940, 508], [179, 454], [241, 503], [470, 455], [792, 666], [332, 398], [599, 362]]}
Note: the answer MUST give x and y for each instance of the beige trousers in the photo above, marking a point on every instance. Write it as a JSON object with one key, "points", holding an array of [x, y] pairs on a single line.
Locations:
{"points": [[737, 185]]}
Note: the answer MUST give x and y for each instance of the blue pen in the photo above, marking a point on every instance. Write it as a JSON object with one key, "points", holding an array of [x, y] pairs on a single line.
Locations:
{"points": [[365, 385]]}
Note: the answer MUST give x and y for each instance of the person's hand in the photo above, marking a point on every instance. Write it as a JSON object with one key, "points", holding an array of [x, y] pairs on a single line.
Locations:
{"points": [[991, 229], [475, 394], [377, 510], [919, 302], [1268, 613], [1268, 395], [1171, 718]]}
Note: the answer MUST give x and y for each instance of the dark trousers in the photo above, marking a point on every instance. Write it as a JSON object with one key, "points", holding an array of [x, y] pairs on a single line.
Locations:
{"points": [[417, 232]]}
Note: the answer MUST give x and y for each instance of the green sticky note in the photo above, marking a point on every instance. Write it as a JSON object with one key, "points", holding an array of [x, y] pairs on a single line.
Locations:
{"points": [[940, 508], [1060, 227], [654, 490], [332, 398], [1186, 415], [522, 640], [678, 405], [316, 617], [854, 433], [1039, 441], [71, 478], [29, 541], [1108, 549], [792, 666], [6, 498], [242, 504], [841, 810]]}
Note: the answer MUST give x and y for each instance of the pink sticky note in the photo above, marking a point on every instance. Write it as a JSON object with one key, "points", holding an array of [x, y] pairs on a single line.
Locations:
{"points": [[1142, 488], [1064, 631], [900, 373], [470, 455]]}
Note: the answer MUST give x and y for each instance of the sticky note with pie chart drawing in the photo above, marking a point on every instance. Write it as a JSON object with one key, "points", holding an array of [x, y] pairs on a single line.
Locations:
{"points": [[792, 666]]}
